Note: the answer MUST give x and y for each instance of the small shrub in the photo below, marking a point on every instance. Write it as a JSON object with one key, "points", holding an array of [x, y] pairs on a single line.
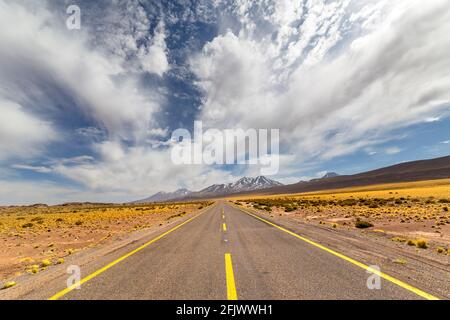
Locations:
{"points": [[9, 284], [400, 261], [33, 268], [27, 225], [422, 244], [46, 263], [398, 239], [79, 223], [360, 224], [60, 261]]}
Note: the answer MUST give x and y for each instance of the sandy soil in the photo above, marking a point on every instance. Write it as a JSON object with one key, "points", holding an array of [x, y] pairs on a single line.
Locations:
{"points": [[405, 215], [32, 238]]}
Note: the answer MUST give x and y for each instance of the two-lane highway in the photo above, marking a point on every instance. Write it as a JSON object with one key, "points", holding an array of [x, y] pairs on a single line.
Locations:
{"points": [[226, 253]]}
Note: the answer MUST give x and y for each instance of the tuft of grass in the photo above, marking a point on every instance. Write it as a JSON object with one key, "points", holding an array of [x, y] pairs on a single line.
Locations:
{"points": [[33, 268], [440, 250], [400, 261], [411, 242], [9, 284], [27, 225], [60, 261], [46, 263], [398, 239], [360, 224], [78, 223], [422, 244]]}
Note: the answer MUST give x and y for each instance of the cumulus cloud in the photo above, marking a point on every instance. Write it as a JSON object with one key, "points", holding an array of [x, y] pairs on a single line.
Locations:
{"points": [[153, 58], [45, 66], [335, 76], [139, 171], [390, 70]]}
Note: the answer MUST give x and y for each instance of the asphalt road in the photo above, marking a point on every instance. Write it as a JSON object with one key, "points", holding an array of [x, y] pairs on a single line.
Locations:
{"points": [[225, 253]]}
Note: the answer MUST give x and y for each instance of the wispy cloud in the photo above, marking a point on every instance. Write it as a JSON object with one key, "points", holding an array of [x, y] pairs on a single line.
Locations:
{"points": [[393, 150]]}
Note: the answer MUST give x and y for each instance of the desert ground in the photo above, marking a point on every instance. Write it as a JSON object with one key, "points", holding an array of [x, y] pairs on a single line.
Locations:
{"points": [[403, 228], [414, 214], [36, 237]]}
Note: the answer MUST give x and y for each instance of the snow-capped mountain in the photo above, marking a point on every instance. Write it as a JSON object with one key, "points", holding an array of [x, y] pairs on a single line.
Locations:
{"points": [[242, 185], [166, 196], [330, 175]]}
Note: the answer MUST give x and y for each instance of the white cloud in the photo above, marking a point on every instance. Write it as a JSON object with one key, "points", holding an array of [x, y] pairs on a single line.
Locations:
{"points": [[393, 150], [46, 55], [432, 119], [389, 72], [138, 171], [334, 76], [31, 168], [22, 134], [153, 58]]}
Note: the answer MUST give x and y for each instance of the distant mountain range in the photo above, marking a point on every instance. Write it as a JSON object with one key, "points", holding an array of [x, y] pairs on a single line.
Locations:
{"points": [[242, 185], [326, 176], [166, 196], [330, 175], [431, 169]]}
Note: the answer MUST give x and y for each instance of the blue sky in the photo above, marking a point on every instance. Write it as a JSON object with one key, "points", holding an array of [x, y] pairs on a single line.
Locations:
{"points": [[86, 114]]}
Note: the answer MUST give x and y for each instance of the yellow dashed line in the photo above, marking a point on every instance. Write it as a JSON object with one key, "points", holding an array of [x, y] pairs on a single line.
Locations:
{"points": [[231, 286], [224, 227]]}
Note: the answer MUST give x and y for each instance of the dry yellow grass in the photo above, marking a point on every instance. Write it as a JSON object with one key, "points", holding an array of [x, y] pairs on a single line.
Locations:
{"points": [[36, 237], [436, 188], [404, 211]]}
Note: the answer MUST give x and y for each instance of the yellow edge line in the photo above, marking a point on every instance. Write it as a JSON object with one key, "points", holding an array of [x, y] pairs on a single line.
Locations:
{"points": [[100, 271], [400, 283], [231, 286], [224, 226]]}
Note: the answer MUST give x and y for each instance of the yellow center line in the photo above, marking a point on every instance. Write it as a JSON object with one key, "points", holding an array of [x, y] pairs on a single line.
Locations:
{"points": [[100, 271], [385, 276], [224, 226], [231, 286]]}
